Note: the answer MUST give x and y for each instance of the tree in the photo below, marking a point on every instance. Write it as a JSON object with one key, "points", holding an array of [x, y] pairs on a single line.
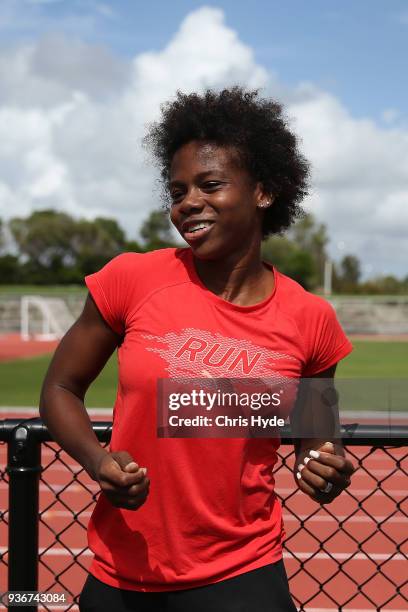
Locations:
{"points": [[346, 275], [1, 235], [312, 238], [95, 242], [133, 245], [9, 269], [301, 253], [156, 231], [385, 285], [350, 270], [60, 249], [44, 237], [290, 259], [112, 229]]}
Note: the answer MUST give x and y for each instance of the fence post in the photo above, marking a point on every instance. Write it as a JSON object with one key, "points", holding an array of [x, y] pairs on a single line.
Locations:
{"points": [[23, 467]]}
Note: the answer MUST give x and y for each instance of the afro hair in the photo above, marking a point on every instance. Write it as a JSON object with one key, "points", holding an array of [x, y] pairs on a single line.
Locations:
{"points": [[258, 131]]}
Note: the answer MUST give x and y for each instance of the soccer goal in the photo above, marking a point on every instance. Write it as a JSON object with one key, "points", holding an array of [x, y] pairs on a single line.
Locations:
{"points": [[44, 318]]}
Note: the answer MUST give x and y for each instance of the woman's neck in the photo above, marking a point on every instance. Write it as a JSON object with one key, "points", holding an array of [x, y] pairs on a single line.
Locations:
{"points": [[241, 280]]}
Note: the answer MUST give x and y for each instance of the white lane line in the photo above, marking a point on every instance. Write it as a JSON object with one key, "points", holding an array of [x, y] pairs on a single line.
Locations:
{"points": [[17, 411], [362, 492], [78, 488], [68, 488], [354, 519], [398, 453], [75, 468], [339, 556], [368, 457], [302, 555], [50, 514], [361, 473]]}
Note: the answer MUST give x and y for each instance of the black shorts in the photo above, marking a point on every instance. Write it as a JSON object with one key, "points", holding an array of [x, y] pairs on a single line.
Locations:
{"points": [[265, 589]]}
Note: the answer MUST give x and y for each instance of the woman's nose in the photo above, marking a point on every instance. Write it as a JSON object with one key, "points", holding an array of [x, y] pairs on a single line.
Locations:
{"points": [[191, 202]]}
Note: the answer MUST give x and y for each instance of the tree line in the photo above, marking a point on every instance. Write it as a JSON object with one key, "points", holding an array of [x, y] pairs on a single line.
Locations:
{"points": [[49, 247]]}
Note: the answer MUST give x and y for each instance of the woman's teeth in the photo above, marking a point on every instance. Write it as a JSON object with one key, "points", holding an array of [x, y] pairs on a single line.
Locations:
{"points": [[198, 230], [198, 227]]}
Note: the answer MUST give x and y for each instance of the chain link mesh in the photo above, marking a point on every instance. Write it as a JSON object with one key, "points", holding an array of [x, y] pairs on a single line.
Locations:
{"points": [[3, 518], [350, 554]]}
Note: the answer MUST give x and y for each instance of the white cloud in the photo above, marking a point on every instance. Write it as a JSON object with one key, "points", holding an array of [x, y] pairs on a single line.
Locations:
{"points": [[72, 116], [360, 182], [203, 53], [46, 74], [390, 115]]}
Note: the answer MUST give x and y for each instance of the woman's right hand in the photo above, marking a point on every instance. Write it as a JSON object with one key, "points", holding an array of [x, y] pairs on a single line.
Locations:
{"points": [[122, 481]]}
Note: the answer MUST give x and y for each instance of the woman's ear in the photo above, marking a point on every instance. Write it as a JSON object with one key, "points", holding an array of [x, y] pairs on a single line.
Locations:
{"points": [[265, 200]]}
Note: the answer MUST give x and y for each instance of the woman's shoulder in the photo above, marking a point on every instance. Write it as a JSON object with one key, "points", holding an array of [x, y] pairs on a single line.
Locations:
{"points": [[141, 273], [295, 299], [132, 259], [128, 280]]}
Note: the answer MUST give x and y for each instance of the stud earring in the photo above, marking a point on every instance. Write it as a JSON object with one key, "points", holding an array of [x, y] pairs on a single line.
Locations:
{"points": [[264, 204]]}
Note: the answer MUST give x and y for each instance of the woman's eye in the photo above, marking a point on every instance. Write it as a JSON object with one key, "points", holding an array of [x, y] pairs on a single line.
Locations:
{"points": [[176, 195], [211, 184]]}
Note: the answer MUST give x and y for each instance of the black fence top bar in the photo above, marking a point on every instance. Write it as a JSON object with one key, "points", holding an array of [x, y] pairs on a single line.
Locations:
{"points": [[353, 434], [39, 430]]}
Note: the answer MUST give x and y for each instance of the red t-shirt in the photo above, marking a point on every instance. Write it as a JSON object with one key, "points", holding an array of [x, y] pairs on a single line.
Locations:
{"points": [[211, 513]]}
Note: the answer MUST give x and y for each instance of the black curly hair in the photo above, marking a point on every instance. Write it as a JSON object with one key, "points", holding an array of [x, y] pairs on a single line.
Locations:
{"points": [[255, 127]]}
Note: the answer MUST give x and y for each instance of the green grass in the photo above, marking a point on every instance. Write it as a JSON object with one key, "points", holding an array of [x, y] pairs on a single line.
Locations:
{"points": [[375, 360], [374, 377], [21, 380], [11, 290], [78, 289]]}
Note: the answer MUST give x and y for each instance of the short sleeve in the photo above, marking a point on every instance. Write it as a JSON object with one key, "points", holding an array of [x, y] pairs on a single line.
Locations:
{"points": [[326, 341], [111, 290]]}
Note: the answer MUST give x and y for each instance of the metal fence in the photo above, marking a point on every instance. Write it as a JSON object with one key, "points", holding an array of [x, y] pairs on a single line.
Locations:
{"points": [[350, 554]]}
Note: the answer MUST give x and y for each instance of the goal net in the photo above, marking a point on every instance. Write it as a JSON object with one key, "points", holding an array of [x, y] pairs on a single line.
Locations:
{"points": [[44, 318]]}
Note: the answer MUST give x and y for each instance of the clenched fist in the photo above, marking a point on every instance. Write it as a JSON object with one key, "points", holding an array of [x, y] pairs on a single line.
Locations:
{"points": [[124, 483], [322, 474]]}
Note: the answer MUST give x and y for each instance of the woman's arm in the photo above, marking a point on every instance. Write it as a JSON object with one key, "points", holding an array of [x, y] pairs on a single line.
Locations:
{"points": [[320, 455], [79, 358]]}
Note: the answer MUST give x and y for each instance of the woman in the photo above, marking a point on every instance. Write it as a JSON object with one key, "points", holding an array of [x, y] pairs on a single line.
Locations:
{"points": [[194, 524]]}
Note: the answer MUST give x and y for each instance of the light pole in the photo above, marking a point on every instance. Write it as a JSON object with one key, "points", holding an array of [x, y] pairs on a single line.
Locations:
{"points": [[328, 275]]}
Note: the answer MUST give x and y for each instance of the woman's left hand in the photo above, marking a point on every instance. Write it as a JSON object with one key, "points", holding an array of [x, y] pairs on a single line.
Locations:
{"points": [[322, 474]]}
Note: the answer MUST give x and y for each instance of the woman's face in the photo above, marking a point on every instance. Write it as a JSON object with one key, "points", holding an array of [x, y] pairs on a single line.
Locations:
{"points": [[214, 201]]}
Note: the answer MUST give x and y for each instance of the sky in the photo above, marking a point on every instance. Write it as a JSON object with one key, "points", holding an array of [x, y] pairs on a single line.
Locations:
{"points": [[81, 79]]}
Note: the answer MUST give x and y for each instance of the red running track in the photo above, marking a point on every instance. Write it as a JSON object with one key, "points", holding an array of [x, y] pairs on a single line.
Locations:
{"points": [[13, 347], [368, 555]]}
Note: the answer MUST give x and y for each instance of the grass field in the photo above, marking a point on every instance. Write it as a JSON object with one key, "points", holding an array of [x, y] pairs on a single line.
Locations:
{"points": [[7, 290], [63, 290], [21, 380]]}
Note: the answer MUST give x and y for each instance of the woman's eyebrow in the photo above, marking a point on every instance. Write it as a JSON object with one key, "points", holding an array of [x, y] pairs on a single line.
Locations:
{"points": [[198, 177]]}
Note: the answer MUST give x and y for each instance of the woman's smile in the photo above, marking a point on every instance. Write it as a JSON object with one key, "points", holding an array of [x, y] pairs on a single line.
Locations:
{"points": [[196, 229]]}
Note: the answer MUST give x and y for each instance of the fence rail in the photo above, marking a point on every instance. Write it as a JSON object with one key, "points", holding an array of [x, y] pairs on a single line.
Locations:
{"points": [[368, 523]]}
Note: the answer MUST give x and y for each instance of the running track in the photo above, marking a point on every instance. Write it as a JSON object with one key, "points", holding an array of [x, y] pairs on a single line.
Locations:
{"points": [[319, 545]]}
